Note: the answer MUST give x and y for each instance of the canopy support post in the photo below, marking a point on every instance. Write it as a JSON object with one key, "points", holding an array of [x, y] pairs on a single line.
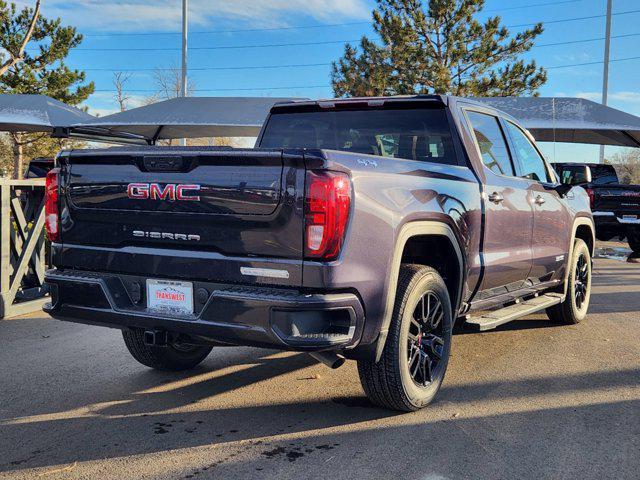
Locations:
{"points": [[156, 135], [605, 73]]}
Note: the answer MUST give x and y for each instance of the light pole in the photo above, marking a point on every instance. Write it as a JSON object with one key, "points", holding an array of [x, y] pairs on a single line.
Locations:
{"points": [[183, 82], [605, 73]]}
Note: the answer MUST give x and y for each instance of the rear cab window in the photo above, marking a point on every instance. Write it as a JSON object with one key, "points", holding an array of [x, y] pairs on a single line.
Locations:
{"points": [[603, 175], [421, 134]]}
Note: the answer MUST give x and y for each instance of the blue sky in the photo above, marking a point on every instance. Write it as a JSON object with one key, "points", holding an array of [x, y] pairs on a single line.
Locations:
{"points": [[145, 35]]}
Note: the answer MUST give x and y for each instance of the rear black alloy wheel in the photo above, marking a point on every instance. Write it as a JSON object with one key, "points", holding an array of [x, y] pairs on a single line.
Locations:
{"points": [[416, 352], [173, 357], [426, 340]]}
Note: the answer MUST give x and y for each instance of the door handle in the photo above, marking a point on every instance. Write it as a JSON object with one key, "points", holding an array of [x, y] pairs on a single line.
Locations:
{"points": [[539, 200], [495, 197]]}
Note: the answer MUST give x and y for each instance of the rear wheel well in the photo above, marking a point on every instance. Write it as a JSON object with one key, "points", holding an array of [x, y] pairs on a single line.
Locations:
{"points": [[436, 251], [584, 233]]}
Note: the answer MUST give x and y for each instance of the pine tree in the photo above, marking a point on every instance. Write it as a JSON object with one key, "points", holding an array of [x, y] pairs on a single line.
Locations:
{"points": [[438, 48], [32, 61]]}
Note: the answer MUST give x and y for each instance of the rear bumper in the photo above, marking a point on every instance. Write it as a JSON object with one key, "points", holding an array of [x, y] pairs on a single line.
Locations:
{"points": [[609, 223], [237, 315]]}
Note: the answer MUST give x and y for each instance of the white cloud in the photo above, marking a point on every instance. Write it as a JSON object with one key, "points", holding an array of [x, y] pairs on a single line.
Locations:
{"points": [[104, 103], [575, 57], [131, 15], [593, 96], [101, 112], [626, 101], [622, 97], [277, 10]]}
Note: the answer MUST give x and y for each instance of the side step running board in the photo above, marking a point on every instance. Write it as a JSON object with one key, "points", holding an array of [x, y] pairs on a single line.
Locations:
{"points": [[491, 320]]}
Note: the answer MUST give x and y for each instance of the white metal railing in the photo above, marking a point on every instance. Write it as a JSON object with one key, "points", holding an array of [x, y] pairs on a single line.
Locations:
{"points": [[22, 246]]}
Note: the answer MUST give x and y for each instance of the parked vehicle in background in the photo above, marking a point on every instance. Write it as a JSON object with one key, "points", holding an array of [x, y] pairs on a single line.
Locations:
{"points": [[615, 207], [39, 167], [359, 228]]}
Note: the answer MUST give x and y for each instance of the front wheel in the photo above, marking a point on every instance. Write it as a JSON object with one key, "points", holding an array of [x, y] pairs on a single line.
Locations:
{"points": [[173, 357], [575, 306], [416, 353]]}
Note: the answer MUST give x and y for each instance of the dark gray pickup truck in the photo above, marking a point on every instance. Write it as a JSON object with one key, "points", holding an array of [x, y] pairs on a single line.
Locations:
{"points": [[358, 228], [615, 206]]}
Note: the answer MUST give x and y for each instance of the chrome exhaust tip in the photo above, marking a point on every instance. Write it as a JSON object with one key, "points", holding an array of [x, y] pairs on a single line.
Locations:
{"points": [[330, 359]]}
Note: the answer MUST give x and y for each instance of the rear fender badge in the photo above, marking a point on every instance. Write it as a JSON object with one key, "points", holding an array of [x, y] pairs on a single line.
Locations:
{"points": [[559, 258], [264, 272], [366, 162]]}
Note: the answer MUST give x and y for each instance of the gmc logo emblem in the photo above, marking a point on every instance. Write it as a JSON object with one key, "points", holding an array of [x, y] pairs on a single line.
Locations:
{"points": [[171, 191]]}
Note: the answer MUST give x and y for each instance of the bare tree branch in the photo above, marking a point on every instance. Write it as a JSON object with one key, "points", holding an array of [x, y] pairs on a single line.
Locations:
{"points": [[121, 96], [17, 57], [168, 85]]}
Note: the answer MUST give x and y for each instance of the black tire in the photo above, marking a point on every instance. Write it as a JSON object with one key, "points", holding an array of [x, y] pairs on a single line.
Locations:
{"points": [[174, 357], [575, 306], [633, 238], [390, 382]]}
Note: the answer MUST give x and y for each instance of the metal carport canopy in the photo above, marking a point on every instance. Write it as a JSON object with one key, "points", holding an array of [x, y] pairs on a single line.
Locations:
{"points": [[37, 113], [570, 120], [190, 117]]}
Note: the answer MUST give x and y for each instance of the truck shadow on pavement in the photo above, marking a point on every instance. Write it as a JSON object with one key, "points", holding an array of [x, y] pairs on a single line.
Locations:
{"points": [[203, 383], [143, 423], [499, 446]]}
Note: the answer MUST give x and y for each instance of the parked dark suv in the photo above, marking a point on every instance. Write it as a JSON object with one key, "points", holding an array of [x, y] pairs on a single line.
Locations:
{"points": [[358, 228]]}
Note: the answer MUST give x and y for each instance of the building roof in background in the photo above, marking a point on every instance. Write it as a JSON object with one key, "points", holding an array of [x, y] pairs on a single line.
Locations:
{"points": [[190, 117], [571, 120], [37, 113]]}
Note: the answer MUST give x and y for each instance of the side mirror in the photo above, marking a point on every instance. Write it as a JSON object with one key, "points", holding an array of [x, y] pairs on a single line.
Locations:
{"points": [[563, 189]]}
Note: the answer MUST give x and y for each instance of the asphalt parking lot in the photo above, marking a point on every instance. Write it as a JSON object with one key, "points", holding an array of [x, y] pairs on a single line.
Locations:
{"points": [[530, 400]]}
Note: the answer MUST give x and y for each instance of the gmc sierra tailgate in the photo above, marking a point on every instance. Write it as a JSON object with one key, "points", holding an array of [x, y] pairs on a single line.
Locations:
{"points": [[195, 212], [622, 200]]}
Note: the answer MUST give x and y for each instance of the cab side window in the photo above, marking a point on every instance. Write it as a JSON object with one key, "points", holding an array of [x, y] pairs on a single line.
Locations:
{"points": [[532, 165], [491, 142]]}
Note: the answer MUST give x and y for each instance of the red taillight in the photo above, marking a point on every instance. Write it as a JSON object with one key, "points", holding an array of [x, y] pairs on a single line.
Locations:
{"points": [[327, 203], [51, 214], [592, 196]]}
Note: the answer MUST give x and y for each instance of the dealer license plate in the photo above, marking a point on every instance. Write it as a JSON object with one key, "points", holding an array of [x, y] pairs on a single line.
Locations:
{"points": [[170, 296]]}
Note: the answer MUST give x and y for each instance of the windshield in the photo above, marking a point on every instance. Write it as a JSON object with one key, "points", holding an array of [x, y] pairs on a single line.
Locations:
{"points": [[418, 134]]}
